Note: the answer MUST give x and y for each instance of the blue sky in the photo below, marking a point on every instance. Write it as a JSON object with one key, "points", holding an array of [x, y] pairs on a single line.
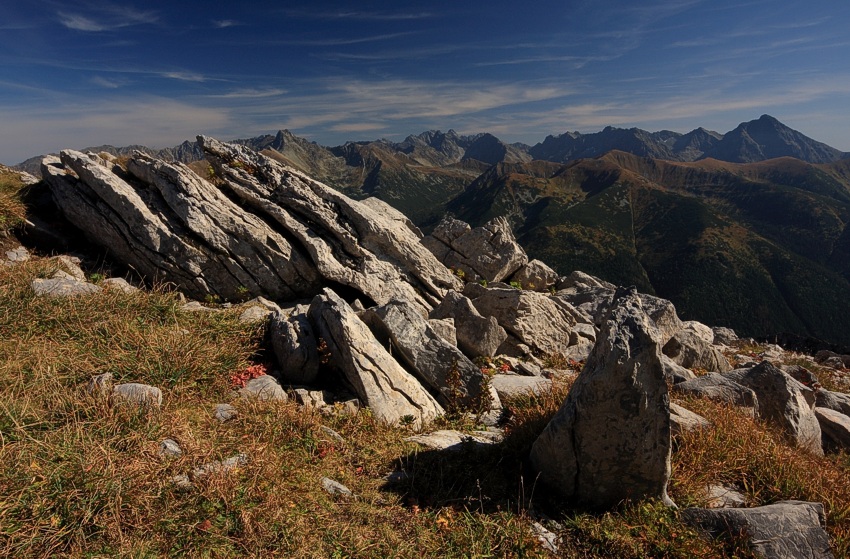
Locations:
{"points": [[74, 74]]}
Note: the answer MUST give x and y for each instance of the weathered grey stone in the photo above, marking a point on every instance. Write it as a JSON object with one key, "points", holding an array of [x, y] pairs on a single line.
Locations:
{"points": [[295, 346], [440, 365], [837, 401], [535, 276], [595, 300], [724, 336], [71, 265], [718, 388], [610, 441], [831, 359], [445, 328], [62, 287], [548, 539], [224, 412], [835, 427], [510, 386], [533, 318], [581, 280], [783, 530], [18, 254], [335, 488], [489, 252], [312, 398], [332, 434], [674, 372], [377, 379], [802, 375], [119, 284], [476, 335], [690, 348], [254, 313], [784, 402], [264, 388], [702, 331], [772, 352], [134, 393], [170, 449], [724, 497], [683, 420], [451, 440]]}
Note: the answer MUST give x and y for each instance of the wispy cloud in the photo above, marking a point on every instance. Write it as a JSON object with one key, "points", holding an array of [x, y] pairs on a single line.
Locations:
{"points": [[358, 127], [249, 94], [184, 76], [225, 23], [110, 17], [364, 15], [107, 83], [340, 41]]}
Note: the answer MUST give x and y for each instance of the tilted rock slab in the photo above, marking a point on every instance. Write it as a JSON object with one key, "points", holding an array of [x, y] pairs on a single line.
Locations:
{"points": [[783, 530], [610, 441], [379, 381], [835, 427], [533, 318], [784, 402], [283, 237], [440, 365], [837, 401], [719, 388], [489, 252]]}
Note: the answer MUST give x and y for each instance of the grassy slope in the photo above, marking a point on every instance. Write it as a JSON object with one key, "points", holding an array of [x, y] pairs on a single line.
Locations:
{"points": [[80, 478]]}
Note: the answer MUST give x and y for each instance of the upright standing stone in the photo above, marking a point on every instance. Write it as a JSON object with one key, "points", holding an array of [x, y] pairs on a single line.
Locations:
{"points": [[610, 441]]}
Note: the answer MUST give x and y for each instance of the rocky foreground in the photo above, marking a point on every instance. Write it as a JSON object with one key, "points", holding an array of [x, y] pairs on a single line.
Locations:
{"points": [[357, 300]]}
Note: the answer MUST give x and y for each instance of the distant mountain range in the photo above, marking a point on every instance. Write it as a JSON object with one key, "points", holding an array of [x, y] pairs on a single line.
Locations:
{"points": [[748, 229]]}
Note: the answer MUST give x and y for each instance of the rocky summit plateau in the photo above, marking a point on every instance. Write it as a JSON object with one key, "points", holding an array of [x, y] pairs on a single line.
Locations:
{"points": [[453, 336]]}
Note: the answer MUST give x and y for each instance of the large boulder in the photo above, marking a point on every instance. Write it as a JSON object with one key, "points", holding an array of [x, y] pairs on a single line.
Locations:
{"points": [[440, 365], [477, 335], [489, 252], [532, 318], [784, 402], [691, 347], [535, 276], [783, 530], [392, 393], [837, 401], [718, 388], [610, 440], [594, 297]]}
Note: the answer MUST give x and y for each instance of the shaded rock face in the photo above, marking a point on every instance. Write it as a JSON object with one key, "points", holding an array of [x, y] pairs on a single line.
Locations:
{"points": [[783, 401], [259, 228], [295, 346], [718, 388], [437, 363], [476, 335], [835, 427], [610, 440], [783, 530], [489, 252], [378, 380]]}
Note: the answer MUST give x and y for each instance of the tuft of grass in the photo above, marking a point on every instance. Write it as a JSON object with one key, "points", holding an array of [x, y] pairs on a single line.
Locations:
{"points": [[13, 212]]}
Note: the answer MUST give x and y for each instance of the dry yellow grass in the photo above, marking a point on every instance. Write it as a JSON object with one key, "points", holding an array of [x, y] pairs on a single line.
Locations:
{"points": [[79, 478]]}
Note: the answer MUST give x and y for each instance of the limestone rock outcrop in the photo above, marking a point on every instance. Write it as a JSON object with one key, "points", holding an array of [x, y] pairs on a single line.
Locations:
{"points": [[610, 440], [392, 393], [257, 228]]}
